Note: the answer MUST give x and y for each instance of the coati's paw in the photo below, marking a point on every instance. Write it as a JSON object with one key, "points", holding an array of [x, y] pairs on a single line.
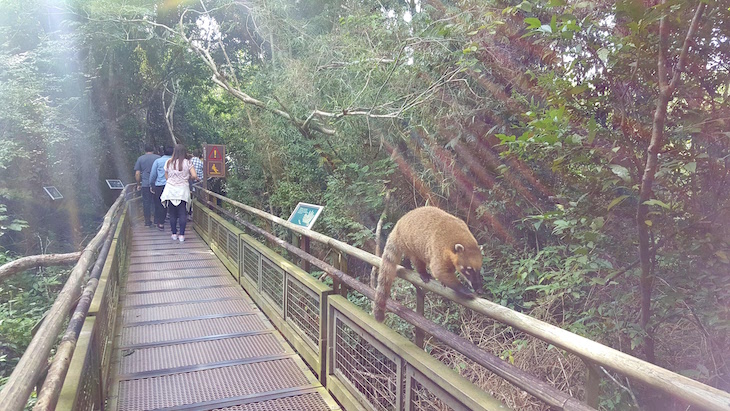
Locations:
{"points": [[425, 277], [466, 292], [379, 315]]}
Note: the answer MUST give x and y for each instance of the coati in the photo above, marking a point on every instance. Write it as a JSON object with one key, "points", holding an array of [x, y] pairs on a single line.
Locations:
{"points": [[429, 237]]}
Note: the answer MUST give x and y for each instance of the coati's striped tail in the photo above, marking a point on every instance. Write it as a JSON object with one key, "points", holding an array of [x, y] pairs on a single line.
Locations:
{"points": [[385, 281]]}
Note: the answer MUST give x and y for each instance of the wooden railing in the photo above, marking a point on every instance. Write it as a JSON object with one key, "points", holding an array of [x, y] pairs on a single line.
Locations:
{"points": [[88, 333], [272, 294]]}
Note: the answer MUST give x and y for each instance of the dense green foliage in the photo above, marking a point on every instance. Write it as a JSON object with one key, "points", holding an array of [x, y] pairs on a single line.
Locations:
{"points": [[530, 120]]}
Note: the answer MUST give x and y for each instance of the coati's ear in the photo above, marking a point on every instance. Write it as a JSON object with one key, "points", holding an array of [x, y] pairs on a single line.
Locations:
{"points": [[458, 248]]}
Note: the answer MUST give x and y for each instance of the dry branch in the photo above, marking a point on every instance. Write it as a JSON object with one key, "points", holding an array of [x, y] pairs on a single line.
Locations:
{"points": [[34, 261]]}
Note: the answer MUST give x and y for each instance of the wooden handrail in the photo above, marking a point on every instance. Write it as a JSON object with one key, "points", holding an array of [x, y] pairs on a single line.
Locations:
{"points": [[17, 390], [51, 390], [666, 381]]}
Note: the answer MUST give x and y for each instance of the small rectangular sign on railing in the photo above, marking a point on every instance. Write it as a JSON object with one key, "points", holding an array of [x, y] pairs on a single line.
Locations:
{"points": [[305, 214]]}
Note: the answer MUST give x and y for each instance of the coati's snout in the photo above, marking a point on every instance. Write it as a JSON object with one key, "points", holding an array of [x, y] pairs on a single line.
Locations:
{"points": [[470, 266], [474, 278]]}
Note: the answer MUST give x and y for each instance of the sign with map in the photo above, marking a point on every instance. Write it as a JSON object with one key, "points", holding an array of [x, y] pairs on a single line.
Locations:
{"points": [[215, 160], [305, 214]]}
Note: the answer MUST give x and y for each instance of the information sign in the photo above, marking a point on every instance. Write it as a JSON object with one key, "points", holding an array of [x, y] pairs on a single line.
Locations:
{"points": [[305, 214], [215, 160], [115, 184], [53, 192]]}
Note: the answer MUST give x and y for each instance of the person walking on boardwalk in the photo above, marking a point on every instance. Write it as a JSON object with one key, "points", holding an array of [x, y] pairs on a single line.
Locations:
{"points": [[197, 162], [142, 169], [176, 195], [157, 186]]}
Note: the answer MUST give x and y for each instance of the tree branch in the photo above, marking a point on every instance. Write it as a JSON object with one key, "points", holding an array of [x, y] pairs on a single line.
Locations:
{"points": [[33, 261]]}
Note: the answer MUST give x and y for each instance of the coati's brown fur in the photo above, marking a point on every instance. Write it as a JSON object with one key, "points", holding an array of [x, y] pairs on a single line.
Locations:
{"points": [[429, 237]]}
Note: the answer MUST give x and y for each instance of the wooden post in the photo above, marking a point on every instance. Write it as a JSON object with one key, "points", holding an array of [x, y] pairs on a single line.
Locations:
{"points": [[420, 303], [336, 283], [205, 173], [304, 245], [295, 242], [342, 266], [593, 382]]}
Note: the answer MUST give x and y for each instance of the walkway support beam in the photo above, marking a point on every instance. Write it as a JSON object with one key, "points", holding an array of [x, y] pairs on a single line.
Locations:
{"points": [[668, 382], [16, 392]]}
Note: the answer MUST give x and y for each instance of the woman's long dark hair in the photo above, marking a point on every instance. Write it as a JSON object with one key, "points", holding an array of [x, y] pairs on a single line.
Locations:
{"points": [[178, 156]]}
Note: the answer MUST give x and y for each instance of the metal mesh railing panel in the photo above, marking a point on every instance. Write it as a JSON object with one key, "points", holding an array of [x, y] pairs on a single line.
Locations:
{"points": [[233, 247], [423, 399], [209, 385], [308, 402], [213, 230], [184, 330], [198, 353], [89, 393], [107, 314], [373, 374], [302, 309], [202, 222], [222, 238], [272, 282], [251, 262]]}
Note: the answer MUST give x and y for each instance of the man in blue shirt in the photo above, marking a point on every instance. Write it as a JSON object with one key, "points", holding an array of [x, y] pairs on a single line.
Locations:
{"points": [[142, 169], [157, 185]]}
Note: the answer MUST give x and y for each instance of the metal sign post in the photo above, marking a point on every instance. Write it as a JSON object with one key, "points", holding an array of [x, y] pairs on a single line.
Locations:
{"points": [[214, 163]]}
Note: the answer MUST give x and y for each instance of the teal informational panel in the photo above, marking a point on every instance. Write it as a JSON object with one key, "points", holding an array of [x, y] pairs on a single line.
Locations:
{"points": [[305, 214]]}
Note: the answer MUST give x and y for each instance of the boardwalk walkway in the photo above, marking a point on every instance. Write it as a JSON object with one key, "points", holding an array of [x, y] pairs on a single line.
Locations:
{"points": [[191, 339]]}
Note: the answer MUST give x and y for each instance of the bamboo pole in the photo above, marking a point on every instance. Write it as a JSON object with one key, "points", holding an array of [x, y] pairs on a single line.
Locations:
{"points": [[668, 382], [16, 391]]}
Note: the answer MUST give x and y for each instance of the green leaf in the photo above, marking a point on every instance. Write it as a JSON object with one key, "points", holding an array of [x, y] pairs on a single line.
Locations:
{"points": [[691, 167], [621, 171], [616, 201], [532, 22], [603, 54], [654, 201]]}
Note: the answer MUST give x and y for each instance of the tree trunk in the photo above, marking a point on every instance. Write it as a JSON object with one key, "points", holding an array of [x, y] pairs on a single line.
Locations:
{"points": [[666, 90]]}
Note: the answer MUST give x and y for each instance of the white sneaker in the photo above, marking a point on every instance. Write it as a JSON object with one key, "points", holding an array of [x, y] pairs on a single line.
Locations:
{"points": [[174, 237], [182, 238]]}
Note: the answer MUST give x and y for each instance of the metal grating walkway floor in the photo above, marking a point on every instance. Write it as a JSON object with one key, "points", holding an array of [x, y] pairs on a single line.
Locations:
{"points": [[190, 338]]}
